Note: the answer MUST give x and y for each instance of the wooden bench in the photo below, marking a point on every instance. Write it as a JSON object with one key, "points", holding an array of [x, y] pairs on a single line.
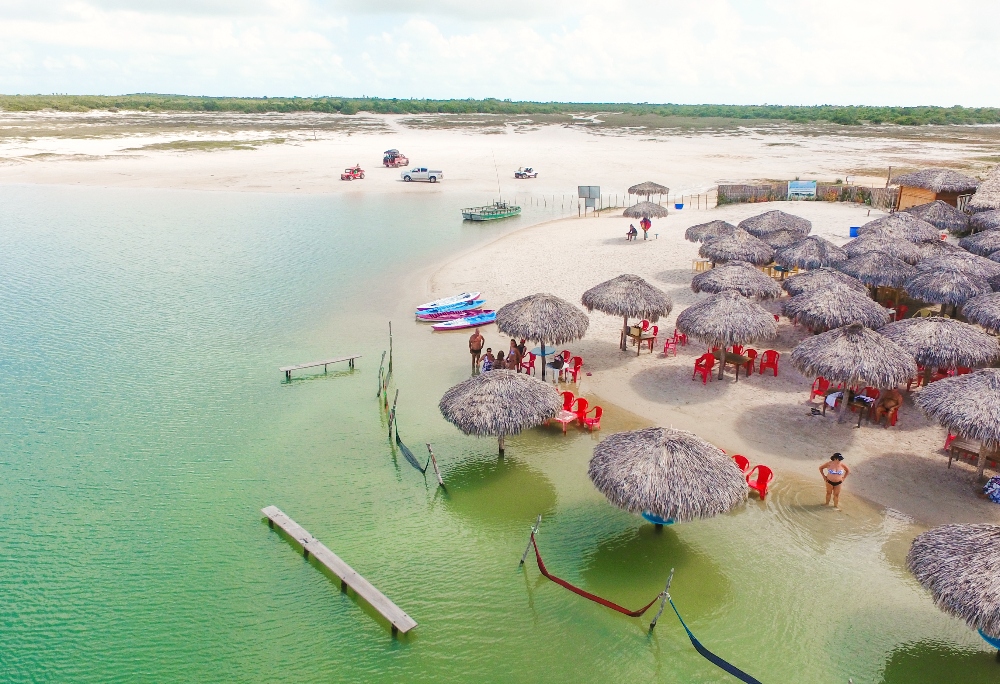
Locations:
{"points": [[961, 445], [287, 370], [400, 621]]}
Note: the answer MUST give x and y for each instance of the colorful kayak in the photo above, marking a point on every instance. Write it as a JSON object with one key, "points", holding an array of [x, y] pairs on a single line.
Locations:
{"points": [[461, 306], [450, 315], [467, 322], [447, 301]]}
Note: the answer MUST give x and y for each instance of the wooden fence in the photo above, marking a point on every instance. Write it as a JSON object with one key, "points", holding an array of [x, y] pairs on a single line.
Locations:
{"points": [[878, 198]]}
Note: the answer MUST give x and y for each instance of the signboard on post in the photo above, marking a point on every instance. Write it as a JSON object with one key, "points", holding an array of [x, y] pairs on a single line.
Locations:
{"points": [[801, 190], [588, 191]]}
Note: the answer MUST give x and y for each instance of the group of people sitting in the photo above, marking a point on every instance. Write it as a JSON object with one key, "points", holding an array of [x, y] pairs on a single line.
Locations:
{"points": [[489, 361]]}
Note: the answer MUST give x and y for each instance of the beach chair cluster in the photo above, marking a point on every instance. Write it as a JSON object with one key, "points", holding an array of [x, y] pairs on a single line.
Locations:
{"points": [[578, 410], [748, 359], [861, 401], [758, 477], [572, 365]]}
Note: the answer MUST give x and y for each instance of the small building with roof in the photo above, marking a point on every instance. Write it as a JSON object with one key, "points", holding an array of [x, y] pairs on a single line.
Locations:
{"points": [[929, 185]]}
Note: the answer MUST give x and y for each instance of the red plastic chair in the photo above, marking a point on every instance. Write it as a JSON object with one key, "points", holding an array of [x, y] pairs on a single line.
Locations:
{"points": [[574, 368], [737, 349], [528, 363], [901, 312], [644, 324], [769, 360], [582, 406], [568, 399], [670, 345], [820, 387], [680, 337], [566, 356], [962, 370], [704, 365], [751, 355], [763, 479], [594, 423], [949, 439], [652, 340], [742, 462]]}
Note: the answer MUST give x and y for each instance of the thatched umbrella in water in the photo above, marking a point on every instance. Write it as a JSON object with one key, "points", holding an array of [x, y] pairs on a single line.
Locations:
{"points": [[966, 262], [878, 269], [945, 286], [938, 342], [811, 252], [648, 189], [645, 210], [542, 318], [968, 405], [739, 276], [984, 310], [854, 355], [709, 231], [499, 403], [960, 565], [821, 278], [628, 296], [670, 474], [983, 244], [823, 309], [941, 215], [740, 246], [985, 220], [901, 226], [900, 249], [773, 221], [725, 319]]}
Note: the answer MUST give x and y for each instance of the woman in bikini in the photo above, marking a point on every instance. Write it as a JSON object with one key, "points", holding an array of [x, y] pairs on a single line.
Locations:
{"points": [[834, 473]]}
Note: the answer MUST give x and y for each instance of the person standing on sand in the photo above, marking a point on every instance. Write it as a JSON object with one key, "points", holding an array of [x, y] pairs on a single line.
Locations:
{"points": [[834, 473], [476, 343], [645, 224]]}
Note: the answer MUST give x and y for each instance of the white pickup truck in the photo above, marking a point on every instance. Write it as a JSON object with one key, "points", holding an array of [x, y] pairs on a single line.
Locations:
{"points": [[421, 173]]}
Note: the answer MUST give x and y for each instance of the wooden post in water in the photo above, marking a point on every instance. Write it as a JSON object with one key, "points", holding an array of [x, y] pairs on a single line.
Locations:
{"points": [[534, 530], [435, 464], [663, 601], [392, 413]]}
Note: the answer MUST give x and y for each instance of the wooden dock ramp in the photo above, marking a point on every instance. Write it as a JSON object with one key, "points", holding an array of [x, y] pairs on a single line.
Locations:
{"points": [[287, 370], [400, 621]]}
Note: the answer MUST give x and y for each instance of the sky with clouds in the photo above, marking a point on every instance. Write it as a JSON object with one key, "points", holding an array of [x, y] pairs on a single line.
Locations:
{"points": [[902, 52]]}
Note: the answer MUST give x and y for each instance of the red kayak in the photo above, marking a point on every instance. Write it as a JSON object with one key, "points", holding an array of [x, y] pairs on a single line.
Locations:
{"points": [[451, 315]]}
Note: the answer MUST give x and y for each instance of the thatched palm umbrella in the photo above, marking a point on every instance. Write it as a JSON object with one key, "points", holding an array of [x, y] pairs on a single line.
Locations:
{"points": [[628, 296], [823, 309], [985, 220], [773, 221], [968, 405], [672, 474], [983, 244], [725, 319], [542, 318], [821, 278], [782, 238], [854, 355], [946, 286], [900, 249], [877, 269], [937, 248], [901, 226], [811, 252], [987, 197], [709, 231], [941, 215], [938, 342], [648, 189], [960, 565], [739, 276], [984, 310], [961, 261], [645, 210], [499, 403], [740, 246]]}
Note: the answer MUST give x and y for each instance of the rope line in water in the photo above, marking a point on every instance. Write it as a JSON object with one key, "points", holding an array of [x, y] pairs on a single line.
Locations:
{"points": [[408, 455], [711, 657]]}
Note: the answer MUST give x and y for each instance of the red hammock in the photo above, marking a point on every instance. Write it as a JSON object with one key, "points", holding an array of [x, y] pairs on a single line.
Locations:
{"points": [[587, 594]]}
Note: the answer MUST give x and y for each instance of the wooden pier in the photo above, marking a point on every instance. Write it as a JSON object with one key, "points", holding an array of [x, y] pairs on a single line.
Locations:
{"points": [[287, 370], [400, 621]]}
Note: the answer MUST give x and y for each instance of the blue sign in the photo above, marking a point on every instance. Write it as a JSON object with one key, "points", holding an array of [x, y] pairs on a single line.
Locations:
{"points": [[801, 189]]}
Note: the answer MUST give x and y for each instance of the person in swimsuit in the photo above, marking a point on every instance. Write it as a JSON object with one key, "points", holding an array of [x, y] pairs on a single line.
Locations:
{"points": [[499, 363], [476, 343], [514, 357], [887, 403], [488, 359], [834, 473]]}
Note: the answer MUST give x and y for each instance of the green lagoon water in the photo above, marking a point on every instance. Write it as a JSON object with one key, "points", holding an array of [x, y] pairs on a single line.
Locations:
{"points": [[143, 424]]}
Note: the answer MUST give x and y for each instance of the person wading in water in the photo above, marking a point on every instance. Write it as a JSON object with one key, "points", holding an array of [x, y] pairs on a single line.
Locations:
{"points": [[834, 473], [476, 343]]}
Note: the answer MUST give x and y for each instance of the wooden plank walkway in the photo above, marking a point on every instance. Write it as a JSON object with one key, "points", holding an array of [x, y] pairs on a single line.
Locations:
{"points": [[287, 370], [400, 621]]}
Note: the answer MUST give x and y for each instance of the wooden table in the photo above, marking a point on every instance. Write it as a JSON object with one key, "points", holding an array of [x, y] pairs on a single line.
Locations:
{"points": [[961, 445], [639, 339], [565, 417], [734, 359]]}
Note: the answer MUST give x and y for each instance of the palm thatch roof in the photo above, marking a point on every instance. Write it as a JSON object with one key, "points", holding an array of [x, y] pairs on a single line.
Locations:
{"points": [[542, 318], [985, 220], [987, 197], [901, 249], [878, 269], [821, 278], [984, 310], [901, 226], [938, 247], [983, 244], [499, 402], [782, 238], [740, 246], [960, 565], [773, 221], [628, 296], [941, 215], [739, 276], [967, 404], [649, 188], [670, 473], [937, 180], [945, 286], [854, 355], [943, 342], [826, 308], [709, 231], [645, 210], [961, 261], [810, 252], [725, 319]]}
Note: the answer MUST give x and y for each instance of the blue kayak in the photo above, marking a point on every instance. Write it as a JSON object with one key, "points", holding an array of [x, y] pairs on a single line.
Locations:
{"points": [[468, 322], [461, 306], [657, 520]]}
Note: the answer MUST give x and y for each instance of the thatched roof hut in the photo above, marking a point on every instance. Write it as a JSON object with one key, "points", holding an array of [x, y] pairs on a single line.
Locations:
{"points": [[628, 296], [984, 310], [987, 197], [985, 220], [826, 308], [738, 276], [960, 565], [929, 185], [498, 403], [773, 221], [968, 405], [983, 244], [648, 189], [782, 238], [961, 261], [945, 286], [938, 342], [878, 269], [709, 231], [900, 249], [645, 210], [811, 252], [901, 226], [542, 318], [673, 474], [740, 246], [821, 278], [941, 215]]}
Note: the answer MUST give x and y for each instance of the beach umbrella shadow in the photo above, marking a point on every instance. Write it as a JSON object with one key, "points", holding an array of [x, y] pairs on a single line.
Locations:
{"points": [[499, 491], [931, 661], [793, 432]]}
